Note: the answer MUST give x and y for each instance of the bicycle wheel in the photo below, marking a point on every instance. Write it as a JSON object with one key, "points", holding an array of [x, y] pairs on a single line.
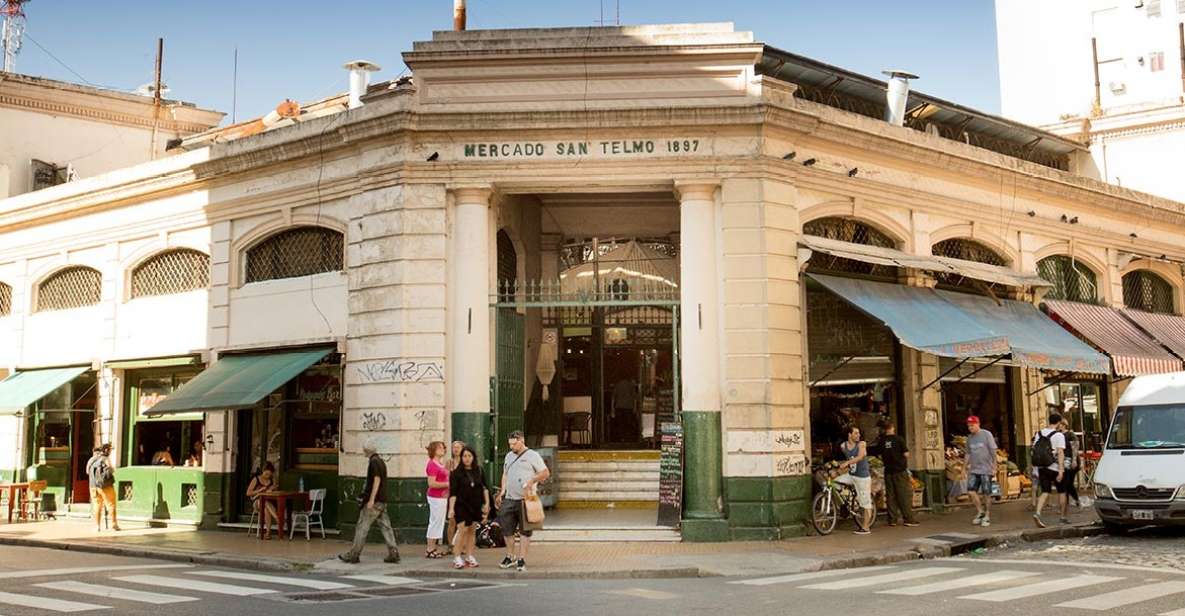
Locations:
{"points": [[824, 513]]}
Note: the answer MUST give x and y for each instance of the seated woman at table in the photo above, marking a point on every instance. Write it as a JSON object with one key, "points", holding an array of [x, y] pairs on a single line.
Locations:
{"points": [[162, 457], [265, 481]]}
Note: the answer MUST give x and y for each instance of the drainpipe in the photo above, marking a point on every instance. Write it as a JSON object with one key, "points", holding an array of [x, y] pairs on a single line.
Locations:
{"points": [[897, 96], [360, 71], [458, 15]]}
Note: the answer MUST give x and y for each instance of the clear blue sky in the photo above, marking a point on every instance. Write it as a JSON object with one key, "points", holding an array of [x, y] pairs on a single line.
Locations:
{"points": [[295, 49]]}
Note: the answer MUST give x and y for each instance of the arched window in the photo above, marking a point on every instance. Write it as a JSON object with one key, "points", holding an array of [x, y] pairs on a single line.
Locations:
{"points": [[1146, 291], [619, 289], [5, 300], [302, 251], [171, 271], [966, 250], [73, 287], [848, 230], [507, 268], [1071, 280]]}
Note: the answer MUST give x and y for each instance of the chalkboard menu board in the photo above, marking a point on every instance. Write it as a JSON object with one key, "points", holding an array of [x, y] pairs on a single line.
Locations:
{"points": [[670, 474], [666, 406]]}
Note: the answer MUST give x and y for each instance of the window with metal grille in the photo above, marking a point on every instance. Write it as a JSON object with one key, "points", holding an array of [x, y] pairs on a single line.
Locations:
{"points": [[1071, 280], [966, 250], [1146, 291], [172, 271], [5, 300], [619, 289], [848, 230], [302, 251], [73, 287], [507, 268]]}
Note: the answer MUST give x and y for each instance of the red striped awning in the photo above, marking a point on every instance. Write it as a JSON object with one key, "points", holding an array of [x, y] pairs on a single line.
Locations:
{"points": [[1167, 329], [1132, 351]]}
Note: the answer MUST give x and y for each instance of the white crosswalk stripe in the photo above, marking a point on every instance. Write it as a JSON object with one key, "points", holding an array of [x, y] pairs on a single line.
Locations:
{"points": [[1180, 612], [46, 603], [1127, 596], [800, 577], [274, 579], [11, 575], [389, 580], [900, 576], [962, 582], [115, 592], [196, 585], [1048, 587]]}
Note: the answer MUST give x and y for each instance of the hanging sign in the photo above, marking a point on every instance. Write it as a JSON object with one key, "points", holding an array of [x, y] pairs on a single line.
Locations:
{"points": [[670, 474]]}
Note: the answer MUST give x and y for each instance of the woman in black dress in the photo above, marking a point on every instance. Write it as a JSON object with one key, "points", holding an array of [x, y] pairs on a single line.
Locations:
{"points": [[468, 505]]}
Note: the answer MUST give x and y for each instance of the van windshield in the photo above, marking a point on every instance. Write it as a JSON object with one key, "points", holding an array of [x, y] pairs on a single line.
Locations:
{"points": [[1148, 427]]}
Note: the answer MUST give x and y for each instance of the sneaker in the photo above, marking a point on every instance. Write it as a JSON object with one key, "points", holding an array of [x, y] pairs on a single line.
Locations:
{"points": [[392, 558], [521, 565], [353, 560], [862, 531], [1038, 520], [986, 522], [978, 519], [506, 563], [911, 524], [458, 563], [471, 562]]}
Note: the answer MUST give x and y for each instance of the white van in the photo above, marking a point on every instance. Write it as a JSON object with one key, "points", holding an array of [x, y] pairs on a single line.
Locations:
{"points": [[1140, 479]]}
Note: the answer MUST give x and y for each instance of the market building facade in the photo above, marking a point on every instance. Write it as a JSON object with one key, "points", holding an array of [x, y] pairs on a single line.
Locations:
{"points": [[590, 234]]}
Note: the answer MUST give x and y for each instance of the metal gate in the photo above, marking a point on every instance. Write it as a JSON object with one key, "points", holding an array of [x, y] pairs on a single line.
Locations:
{"points": [[507, 383]]}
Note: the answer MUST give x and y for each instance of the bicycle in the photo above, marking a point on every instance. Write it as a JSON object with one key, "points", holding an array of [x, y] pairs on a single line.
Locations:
{"points": [[835, 501]]}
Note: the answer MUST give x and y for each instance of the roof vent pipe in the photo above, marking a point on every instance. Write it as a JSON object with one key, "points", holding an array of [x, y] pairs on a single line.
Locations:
{"points": [[458, 15], [360, 71], [897, 96]]}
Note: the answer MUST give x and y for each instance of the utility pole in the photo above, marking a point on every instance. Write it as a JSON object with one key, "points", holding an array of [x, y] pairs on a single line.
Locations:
{"points": [[160, 53], [14, 27]]}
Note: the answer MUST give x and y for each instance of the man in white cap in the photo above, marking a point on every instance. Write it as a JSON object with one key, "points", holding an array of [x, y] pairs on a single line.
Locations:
{"points": [[372, 507]]}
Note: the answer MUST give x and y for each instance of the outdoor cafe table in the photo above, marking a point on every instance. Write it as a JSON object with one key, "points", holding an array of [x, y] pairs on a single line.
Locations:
{"points": [[280, 498], [13, 490]]}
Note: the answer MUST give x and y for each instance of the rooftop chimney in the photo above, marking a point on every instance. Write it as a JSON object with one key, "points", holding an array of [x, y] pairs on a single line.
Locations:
{"points": [[897, 96], [458, 15], [360, 71]]}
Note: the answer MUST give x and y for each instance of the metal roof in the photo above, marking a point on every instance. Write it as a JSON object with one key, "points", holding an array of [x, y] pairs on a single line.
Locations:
{"points": [[844, 89]]}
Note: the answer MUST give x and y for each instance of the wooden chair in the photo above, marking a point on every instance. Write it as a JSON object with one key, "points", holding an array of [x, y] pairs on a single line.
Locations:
{"points": [[577, 423], [311, 516], [32, 498]]}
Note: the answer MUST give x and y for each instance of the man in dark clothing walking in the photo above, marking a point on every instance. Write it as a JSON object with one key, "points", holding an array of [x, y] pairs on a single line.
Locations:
{"points": [[373, 508], [898, 486]]}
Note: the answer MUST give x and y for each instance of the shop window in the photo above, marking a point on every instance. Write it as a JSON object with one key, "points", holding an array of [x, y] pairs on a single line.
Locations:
{"points": [[965, 250], [161, 441], [302, 251], [1071, 280], [5, 300], [313, 402], [848, 230], [73, 287], [1146, 291], [172, 271]]}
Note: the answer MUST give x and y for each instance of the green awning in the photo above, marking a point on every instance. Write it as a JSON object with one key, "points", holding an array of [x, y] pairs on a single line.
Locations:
{"points": [[238, 381], [28, 386]]}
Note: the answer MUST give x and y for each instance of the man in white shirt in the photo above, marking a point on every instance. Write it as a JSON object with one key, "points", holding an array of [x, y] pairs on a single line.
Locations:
{"points": [[1053, 475]]}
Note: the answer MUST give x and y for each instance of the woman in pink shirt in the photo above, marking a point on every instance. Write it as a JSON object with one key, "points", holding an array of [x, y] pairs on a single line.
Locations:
{"points": [[437, 497]]}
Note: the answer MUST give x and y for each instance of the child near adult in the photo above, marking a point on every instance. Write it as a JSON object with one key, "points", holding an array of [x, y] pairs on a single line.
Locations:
{"points": [[468, 505]]}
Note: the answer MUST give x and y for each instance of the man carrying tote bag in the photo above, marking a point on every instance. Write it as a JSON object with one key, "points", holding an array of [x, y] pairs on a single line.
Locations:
{"points": [[523, 469]]}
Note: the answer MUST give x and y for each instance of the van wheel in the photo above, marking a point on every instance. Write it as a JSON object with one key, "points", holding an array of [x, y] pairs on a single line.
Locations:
{"points": [[1112, 528]]}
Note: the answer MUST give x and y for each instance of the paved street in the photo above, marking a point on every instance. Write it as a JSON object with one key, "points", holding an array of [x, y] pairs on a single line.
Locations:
{"points": [[1139, 575]]}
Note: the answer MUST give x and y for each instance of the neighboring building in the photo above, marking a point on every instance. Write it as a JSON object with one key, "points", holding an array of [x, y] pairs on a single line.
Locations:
{"points": [[1110, 73], [584, 233], [53, 132]]}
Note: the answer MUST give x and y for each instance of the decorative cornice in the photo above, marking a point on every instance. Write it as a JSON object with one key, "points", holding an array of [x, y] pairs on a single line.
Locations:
{"points": [[101, 115]]}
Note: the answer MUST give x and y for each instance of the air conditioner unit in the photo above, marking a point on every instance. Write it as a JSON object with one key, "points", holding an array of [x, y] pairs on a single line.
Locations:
{"points": [[1117, 87]]}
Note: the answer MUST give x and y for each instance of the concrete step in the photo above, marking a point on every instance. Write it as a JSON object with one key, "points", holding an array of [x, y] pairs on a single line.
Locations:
{"points": [[570, 476], [643, 534], [608, 467], [598, 455], [608, 486], [608, 495]]}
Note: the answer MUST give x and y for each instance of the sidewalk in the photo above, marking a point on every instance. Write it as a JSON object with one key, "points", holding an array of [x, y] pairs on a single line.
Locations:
{"points": [[1011, 523]]}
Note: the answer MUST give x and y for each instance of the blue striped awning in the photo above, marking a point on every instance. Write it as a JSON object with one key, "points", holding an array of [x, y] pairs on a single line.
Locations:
{"points": [[919, 317]]}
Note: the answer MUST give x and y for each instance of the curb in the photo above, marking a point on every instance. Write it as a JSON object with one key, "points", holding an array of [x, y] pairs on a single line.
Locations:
{"points": [[200, 558], [630, 574]]}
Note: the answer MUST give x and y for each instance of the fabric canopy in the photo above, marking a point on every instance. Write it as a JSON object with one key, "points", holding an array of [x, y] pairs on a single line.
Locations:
{"points": [[1167, 329], [1034, 339], [942, 265], [1132, 352], [28, 386], [918, 317], [238, 381]]}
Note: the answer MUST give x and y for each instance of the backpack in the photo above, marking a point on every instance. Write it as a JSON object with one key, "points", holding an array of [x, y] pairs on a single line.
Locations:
{"points": [[101, 475], [1069, 436], [1043, 451], [489, 536]]}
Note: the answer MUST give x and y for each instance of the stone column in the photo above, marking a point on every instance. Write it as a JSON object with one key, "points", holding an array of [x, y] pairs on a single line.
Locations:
{"points": [[699, 357], [923, 411], [468, 369]]}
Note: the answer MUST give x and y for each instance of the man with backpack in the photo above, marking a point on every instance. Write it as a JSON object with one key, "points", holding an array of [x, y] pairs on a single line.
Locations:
{"points": [[1049, 458], [102, 483]]}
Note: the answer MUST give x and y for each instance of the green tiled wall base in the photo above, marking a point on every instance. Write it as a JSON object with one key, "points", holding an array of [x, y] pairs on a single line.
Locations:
{"points": [[767, 508]]}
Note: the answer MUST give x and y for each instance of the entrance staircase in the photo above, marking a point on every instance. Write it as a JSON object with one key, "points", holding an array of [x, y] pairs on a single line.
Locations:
{"points": [[606, 496]]}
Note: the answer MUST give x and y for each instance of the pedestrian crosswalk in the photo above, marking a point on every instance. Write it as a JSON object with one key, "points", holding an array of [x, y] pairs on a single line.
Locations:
{"points": [[123, 587], [1087, 591]]}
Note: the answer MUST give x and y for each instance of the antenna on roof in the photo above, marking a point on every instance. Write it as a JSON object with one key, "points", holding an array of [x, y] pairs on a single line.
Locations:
{"points": [[14, 27]]}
